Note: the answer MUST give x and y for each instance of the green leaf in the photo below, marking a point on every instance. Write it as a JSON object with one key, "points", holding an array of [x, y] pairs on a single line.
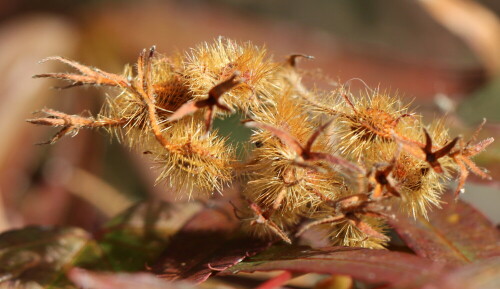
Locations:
{"points": [[484, 103]]}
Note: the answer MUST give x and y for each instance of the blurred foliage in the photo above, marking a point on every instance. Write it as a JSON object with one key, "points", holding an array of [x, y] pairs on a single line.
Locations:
{"points": [[485, 100]]}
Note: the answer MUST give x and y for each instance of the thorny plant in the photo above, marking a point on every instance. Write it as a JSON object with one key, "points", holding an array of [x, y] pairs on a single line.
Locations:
{"points": [[329, 161]]}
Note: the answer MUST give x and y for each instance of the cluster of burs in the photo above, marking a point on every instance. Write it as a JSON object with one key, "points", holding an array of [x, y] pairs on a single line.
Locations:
{"points": [[331, 161]]}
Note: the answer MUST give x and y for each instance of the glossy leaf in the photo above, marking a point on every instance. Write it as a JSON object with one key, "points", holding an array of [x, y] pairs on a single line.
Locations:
{"points": [[372, 266], [455, 234]]}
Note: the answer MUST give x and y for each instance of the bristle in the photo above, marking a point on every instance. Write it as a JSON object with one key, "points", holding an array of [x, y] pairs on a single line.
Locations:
{"points": [[368, 122], [347, 234], [170, 93], [198, 165], [209, 64]]}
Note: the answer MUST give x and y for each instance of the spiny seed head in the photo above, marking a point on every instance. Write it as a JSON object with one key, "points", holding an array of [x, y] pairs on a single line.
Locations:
{"points": [[197, 164], [274, 173], [332, 158], [421, 186], [209, 64], [170, 93], [345, 233], [364, 122]]}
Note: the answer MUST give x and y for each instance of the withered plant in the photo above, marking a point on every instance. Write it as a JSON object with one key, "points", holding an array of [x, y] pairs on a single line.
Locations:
{"points": [[330, 161]]}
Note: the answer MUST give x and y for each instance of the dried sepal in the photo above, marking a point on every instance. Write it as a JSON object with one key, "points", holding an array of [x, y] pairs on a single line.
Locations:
{"points": [[291, 60], [261, 219], [211, 103], [88, 75], [71, 124], [462, 156], [145, 90], [381, 181], [305, 153], [427, 152]]}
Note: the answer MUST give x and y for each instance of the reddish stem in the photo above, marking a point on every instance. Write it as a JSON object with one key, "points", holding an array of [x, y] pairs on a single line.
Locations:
{"points": [[277, 281]]}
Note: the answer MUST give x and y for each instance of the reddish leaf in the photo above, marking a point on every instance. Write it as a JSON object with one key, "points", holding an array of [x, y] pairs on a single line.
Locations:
{"points": [[92, 280], [209, 243], [373, 266], [484, 274], [135, 238], [455, 234]]}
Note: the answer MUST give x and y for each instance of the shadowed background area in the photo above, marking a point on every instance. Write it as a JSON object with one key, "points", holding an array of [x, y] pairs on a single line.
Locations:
{"points": [[442, 55]]}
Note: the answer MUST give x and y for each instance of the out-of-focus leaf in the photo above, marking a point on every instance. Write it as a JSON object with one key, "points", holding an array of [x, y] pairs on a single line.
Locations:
{"points": [[475, 24], [20, 95], [92, 280], [335, 282], [209, 243], [484, 274], [455, 234], [136, 238], [483, 103], [39, 256], [373, 266]]}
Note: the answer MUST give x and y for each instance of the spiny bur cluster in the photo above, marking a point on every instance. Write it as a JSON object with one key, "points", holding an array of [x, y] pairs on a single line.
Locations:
{"points": [[329, 161]]}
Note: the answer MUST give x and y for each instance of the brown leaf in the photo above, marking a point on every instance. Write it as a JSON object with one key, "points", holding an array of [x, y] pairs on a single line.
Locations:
{"points": [[456, 234]]}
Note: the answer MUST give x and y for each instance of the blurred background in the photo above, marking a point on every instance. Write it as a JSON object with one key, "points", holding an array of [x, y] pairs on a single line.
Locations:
{"points": [[442, 55]]}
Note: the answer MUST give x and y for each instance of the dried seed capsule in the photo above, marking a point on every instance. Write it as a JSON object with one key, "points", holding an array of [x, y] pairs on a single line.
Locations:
{"points": [[197, 164], [209, 64]]}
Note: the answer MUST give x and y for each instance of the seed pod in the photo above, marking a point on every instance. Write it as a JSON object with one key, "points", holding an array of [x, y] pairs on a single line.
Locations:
{"points": [[197, 164], [209, 64], [170, 92], [279, 181], [361, 123], [348, 234], [420, 185]]}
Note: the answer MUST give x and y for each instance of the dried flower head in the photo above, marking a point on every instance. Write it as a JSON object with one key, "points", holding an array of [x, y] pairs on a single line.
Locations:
{"points": [[330, 161], [197, 163]]}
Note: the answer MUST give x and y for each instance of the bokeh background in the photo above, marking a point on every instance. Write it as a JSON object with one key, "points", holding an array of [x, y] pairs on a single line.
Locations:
{"points": [[442, 55]]}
